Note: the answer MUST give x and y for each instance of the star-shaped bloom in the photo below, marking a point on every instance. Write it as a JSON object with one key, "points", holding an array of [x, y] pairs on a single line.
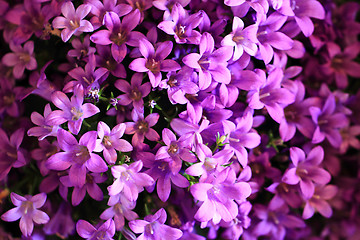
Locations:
{"points": [[154, 61], [110, 141], [77, 156], [73, 21], [105, 231], [27, 210], [72, 111]]}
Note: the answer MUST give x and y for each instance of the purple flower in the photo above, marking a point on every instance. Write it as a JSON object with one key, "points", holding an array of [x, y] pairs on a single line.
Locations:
{"points": [[269, 37], [328, 122], [119, 33], [209, 162], [306, 170], [105, 231], [217, 194], [72, 22], [78, 156], [61, 223], [44, 128], [153, 227], [11, 154], [27, 210], [10, 97], [240, 39], [302, 10], [88, 78], [72, 111], [181, 25], [210, 64], [20, 58], [90, 186], [319, 201], [141, 127], [271, 95], [120, 208], [129, 180], [275, 220], [82, 50], [135, 92], [110, 141], [154, 61]]}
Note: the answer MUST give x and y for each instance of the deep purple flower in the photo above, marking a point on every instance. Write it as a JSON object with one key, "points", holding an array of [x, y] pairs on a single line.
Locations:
{"points": [[240, 40], [340, 64], [210, 63], [153, 227], [81, 49], [329, 122], [319, 202], [217, 194], [105, 231], [27, 210], [306, 170], [10, 97], [72, 22], [119, 33], [135, 92], [78, 156], [174, 149], [129, 180], [90, 186], [110, 141], [275, 220], [181, 25], [44, 128], [11, 154], [61, 223], [20, 58], [154, 61], [106, 60], [141, 127], [87, 77], [72, 111]]}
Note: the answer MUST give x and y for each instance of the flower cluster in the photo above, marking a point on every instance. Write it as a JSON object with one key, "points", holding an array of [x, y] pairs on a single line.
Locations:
{"points": [[179, 119]]}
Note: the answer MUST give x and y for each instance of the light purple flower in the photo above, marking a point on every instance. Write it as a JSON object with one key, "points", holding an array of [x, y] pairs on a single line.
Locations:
{"points": [[44, 128], [305, 170], [105, 231], [120, 208], [129, 180], [27, 210], [154, 61], [217, 195], [302, 10], [181, 25], [271, 95], [20, 58], [73, 21], [77, 156], [240, 40], [210, 63], [110, 141], [72, 111], [153, 227]]}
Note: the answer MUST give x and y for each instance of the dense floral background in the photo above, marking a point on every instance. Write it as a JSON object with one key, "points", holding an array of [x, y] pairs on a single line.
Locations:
{"points": [[179, 119]]}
